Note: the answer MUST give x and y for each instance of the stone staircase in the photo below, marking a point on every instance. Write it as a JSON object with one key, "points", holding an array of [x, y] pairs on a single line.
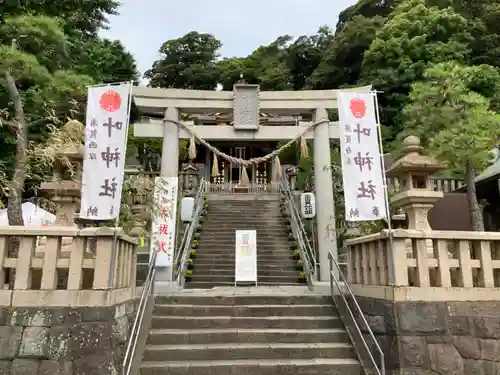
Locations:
{"points": [[214, 262], [247, 335]]}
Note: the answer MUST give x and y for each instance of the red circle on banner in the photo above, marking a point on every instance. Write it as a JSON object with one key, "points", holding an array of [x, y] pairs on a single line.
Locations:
{"points": [[358, 107], [110, 101]]}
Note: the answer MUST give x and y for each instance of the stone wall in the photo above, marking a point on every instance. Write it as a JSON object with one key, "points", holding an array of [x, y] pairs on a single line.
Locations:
{"points": [[446, 338], [64, 341]]}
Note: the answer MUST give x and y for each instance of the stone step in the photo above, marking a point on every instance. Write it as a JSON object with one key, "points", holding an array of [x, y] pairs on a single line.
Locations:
{"points": [[230, 229], [228, 254], [244, 310], [261, 279], [230, 234], [250, 202], [302, 296], [229, 268], [226, 244], [320, 366], [245, 210], [263, 336], [244, 218], [283, 242], [225, 352], [242, 204], [221, 274], [273, 322], [209, 284], [257, 217], [207, 260], [262, 246]]}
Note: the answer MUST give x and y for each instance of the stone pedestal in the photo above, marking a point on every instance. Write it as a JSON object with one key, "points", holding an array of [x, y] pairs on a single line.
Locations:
{"points": [[415, 197]]}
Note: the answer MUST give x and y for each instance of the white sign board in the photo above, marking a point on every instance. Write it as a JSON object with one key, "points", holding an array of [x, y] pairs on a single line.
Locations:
{"points": [[164, 220], [246, 256], [364, 188], [106, 129], [307, 205]]}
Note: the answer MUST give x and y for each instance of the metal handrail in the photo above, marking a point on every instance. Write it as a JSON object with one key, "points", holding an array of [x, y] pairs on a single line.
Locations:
{"points": [[147, 290], [182, 256], [305, 248], [346, 289]]}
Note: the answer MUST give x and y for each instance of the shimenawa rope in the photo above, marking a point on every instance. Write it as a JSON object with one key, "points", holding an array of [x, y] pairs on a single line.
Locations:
{"points": [[252, 161]]}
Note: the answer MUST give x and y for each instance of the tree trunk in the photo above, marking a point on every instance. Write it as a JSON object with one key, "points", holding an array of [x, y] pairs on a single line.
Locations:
{"points": [[476, 214], [14, 202], [15, 194]]}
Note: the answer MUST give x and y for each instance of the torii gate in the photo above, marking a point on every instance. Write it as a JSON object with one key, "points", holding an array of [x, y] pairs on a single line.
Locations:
{"points": [[246, 102]]}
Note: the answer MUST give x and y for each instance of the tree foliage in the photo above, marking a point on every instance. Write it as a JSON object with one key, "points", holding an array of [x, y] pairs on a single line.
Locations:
{"points": [[340, 64], [49, 53], [457, 123], [414, 36], [187, 62]]}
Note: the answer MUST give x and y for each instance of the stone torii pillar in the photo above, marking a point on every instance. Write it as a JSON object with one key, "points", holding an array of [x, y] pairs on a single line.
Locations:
{"points": [[169, 168], [323, 187]]}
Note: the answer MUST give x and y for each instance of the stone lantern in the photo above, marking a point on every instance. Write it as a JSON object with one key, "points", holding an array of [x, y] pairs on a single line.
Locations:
{"points": [[66, 193], [142, 185], [189, 179], [415, 195]]}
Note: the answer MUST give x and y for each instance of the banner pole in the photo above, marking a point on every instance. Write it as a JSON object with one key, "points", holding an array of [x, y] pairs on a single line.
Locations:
{"points": [[387, 208], [117, 219]]}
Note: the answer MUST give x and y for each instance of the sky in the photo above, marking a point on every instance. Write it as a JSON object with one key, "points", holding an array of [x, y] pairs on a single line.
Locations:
{"points": [[241, 25]]}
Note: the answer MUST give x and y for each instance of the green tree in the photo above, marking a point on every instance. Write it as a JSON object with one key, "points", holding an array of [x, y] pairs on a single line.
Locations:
{"points": [[366, 9], [105, 60], [486, 44], [80, 21], [342, 58], [266, 66], [284, 64], [188, 62], [81, 18], [414, 36], [38, 92], [305, 54], [457, 123]]}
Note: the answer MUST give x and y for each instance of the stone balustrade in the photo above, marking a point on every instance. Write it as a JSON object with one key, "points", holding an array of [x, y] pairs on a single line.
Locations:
{"points": [[425, 260], [431, 298], [96, 268]]}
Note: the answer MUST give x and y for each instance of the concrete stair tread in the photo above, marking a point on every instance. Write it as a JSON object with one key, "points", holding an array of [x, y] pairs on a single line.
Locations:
{"points": [[260, 277], [229, 317], [203, 285], [229, 271], [278, 345], [231, 307], [229, 254], [227, 263], [258, 362], [163, 331]]}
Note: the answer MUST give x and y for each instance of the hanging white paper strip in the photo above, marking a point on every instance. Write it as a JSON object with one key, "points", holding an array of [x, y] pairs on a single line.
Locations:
{"points": [[364, 188]]}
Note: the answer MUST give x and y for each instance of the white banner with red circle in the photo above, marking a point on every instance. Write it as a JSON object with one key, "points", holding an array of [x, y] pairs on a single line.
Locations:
{"points": [[365, 193], [106, 127]]}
